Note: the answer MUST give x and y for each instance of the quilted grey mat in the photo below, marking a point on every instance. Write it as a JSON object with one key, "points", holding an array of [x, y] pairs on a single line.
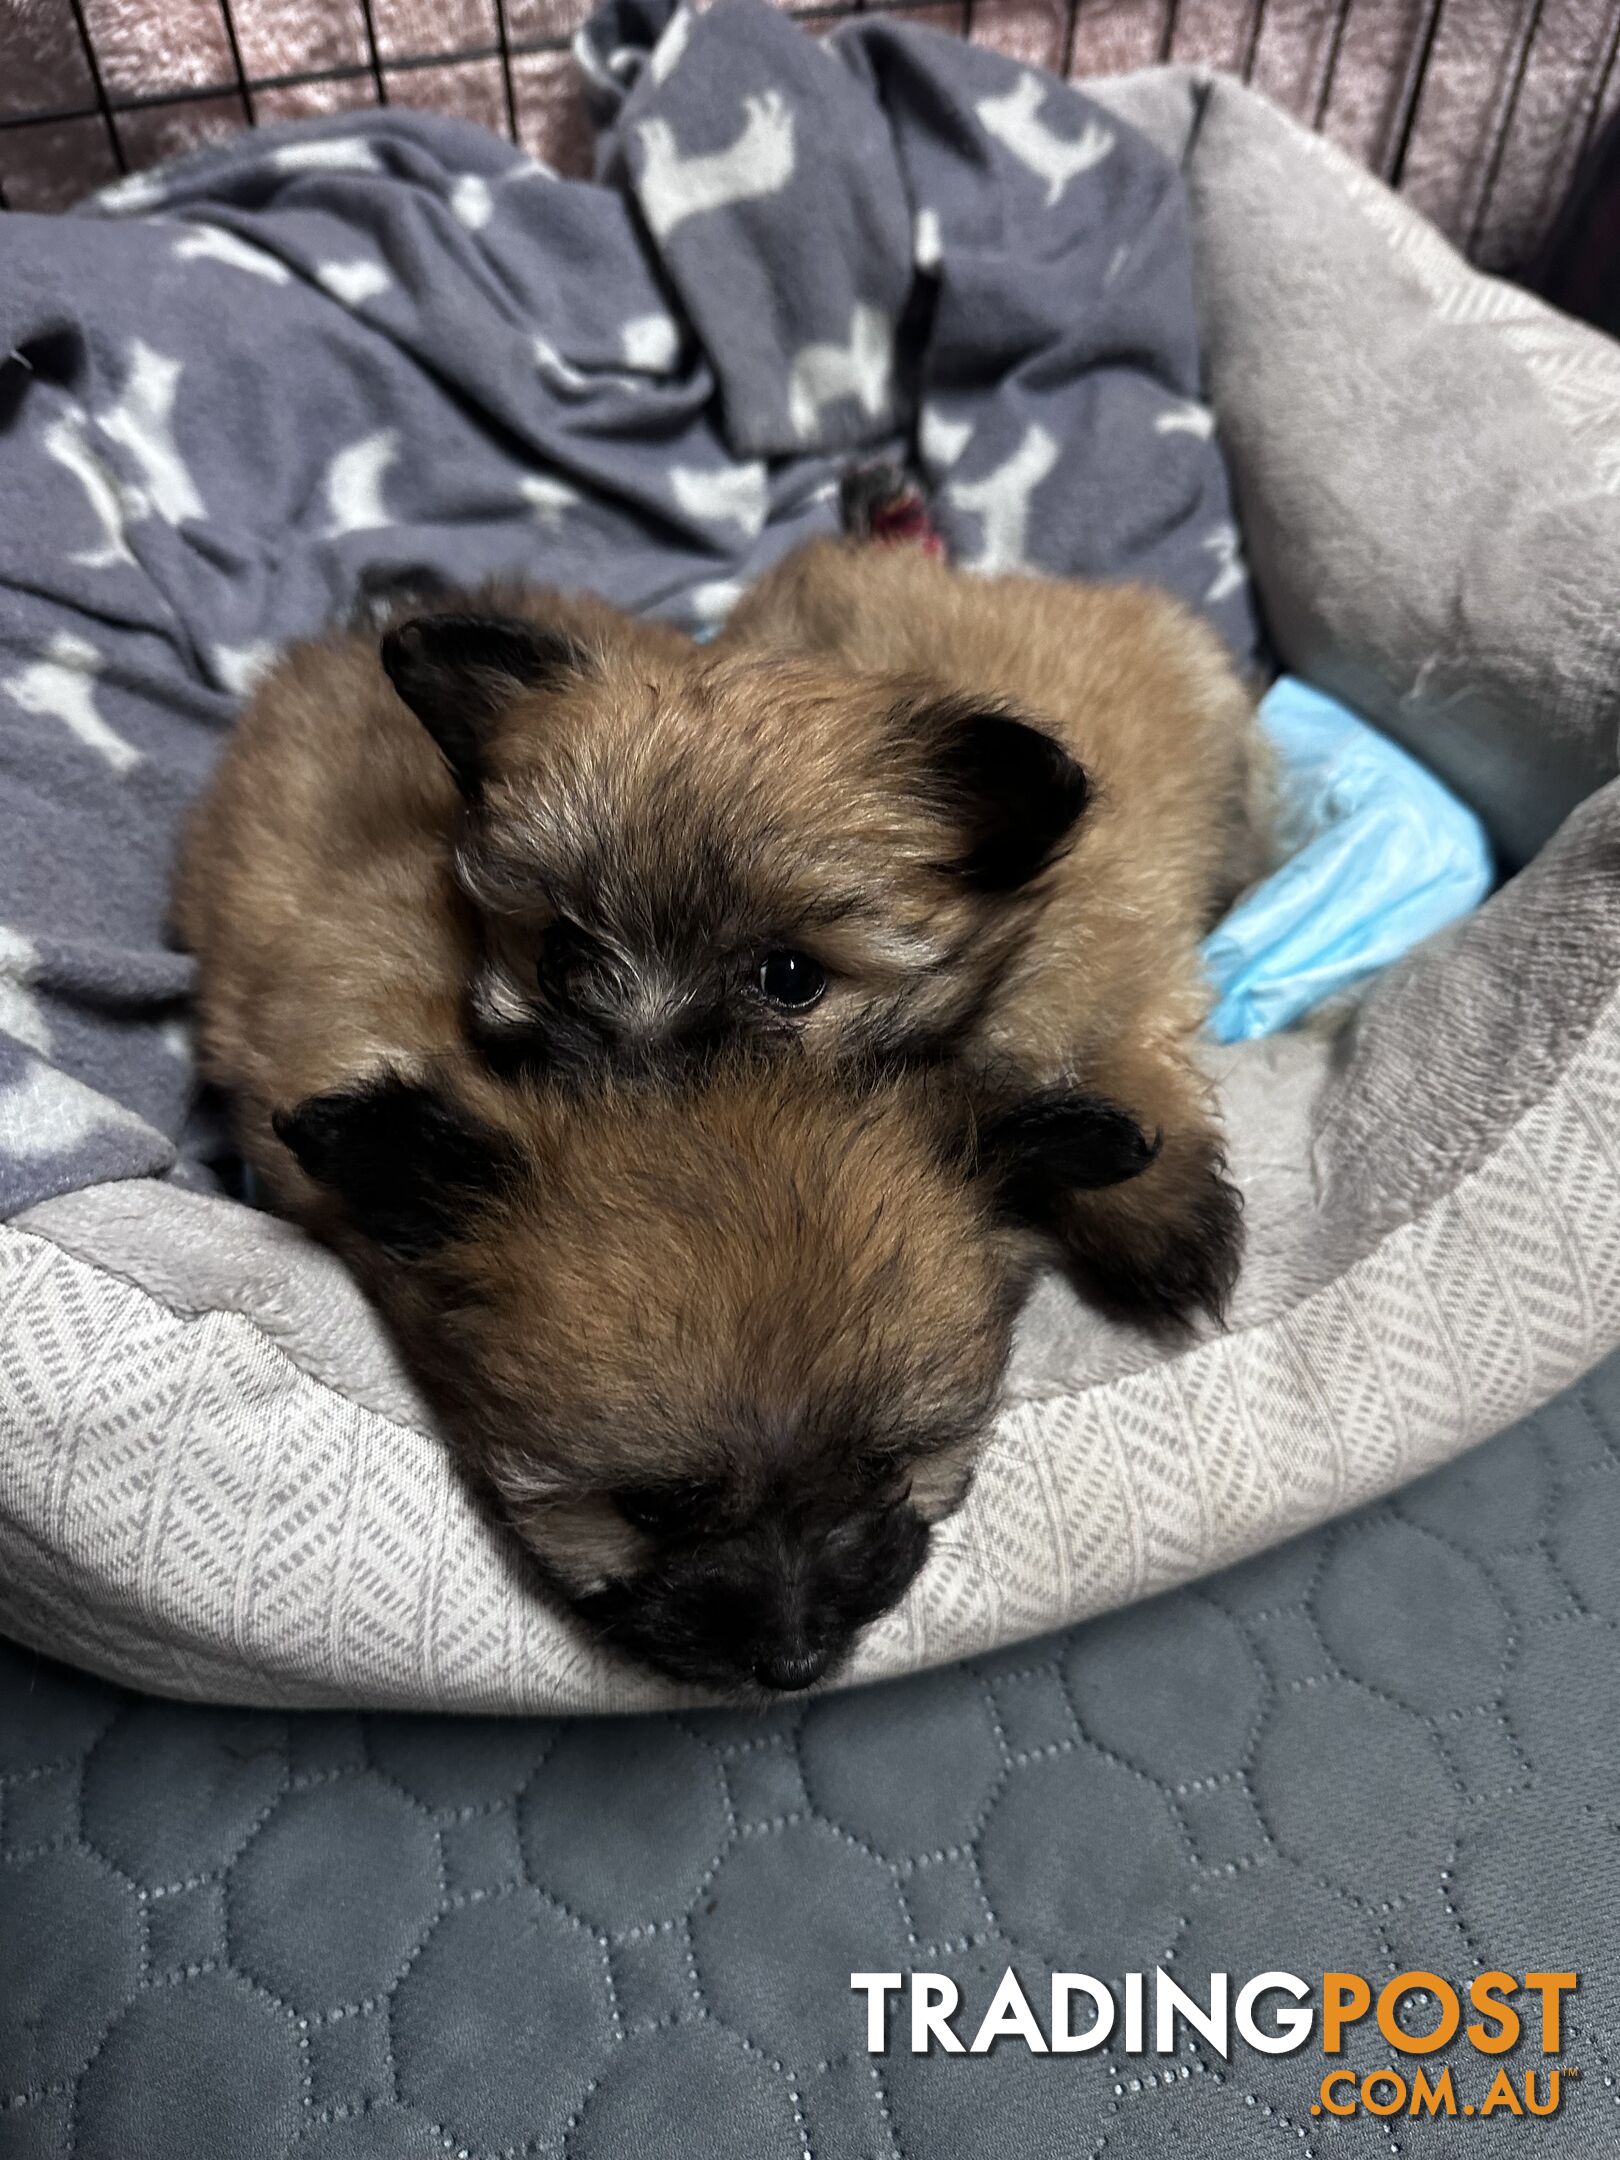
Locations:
{"points": [[1392, 1744]]}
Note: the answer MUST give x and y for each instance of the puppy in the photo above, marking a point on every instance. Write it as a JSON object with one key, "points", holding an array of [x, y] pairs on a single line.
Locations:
{"points": [[1159, 777], [893, 812], [330, 832], [724, 1351]]}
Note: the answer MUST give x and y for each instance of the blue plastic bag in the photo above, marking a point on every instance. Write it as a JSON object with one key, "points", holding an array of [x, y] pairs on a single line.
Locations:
{"points": [[1380, 856]]}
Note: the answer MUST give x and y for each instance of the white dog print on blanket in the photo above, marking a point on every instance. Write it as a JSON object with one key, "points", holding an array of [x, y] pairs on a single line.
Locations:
{"points": [[1015, 120], [760, 162]]}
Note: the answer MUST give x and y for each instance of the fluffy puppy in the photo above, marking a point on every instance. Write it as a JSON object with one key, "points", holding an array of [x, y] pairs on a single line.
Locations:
{"points": [[893, 812], [324, 854], [723, 1351], [1158, 759]]}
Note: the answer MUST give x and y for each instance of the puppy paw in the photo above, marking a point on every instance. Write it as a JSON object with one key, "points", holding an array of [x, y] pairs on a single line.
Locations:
{"points": [[1189, 1266], [1163, 1251]]}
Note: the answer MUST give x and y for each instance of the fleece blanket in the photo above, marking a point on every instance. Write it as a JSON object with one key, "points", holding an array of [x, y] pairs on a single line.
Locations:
{"points": [[239, 392]]}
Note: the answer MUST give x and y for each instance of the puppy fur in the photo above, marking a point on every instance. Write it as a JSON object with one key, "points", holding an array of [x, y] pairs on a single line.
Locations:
{"points": [[1176, 821], [724, 1348], [994, 816], [316, 881], [726, 1353]]}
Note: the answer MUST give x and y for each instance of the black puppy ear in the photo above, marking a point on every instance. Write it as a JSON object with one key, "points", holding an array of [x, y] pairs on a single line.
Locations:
{"points": [[406, 1162], [1060, 1141], [456, 671], [1013, 791]]}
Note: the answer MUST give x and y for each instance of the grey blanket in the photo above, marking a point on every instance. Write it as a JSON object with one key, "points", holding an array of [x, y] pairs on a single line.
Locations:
{"points": [[239, 392]]}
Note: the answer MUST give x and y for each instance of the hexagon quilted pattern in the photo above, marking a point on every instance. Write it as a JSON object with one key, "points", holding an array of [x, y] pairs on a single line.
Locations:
{"points": [[1394, 1743]]}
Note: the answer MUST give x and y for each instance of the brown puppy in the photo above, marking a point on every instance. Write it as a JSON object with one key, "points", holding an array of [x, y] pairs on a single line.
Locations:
{"points": [[1171, 785], [892, 812], [724, 1351], [331, 830]]}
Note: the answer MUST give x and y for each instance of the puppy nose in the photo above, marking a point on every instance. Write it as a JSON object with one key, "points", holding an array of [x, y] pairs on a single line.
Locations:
{"points": [[789, 1670]]}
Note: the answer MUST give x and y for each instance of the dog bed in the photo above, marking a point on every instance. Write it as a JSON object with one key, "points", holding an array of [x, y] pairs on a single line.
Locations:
{"points": [[215, 1480], [1392, 1743]]}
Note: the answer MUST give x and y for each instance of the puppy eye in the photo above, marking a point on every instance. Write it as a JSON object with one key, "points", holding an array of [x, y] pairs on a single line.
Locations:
{"points": [[877, 1473], [791, 979], [561, 949], [663, 1510]]}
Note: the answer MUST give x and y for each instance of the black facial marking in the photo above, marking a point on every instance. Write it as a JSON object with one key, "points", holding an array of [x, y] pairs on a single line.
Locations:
{"points": [[674, 1510], [772, 1606], [657, 959], [454, 671], [1061, 1141], [405, 1162], [565, 951], [1015, 793]]}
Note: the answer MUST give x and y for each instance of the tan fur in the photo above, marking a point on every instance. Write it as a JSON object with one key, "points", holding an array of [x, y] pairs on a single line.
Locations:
{"points": [[314, 880], [1140, 692], [329, 833], [784, 1287], [642, 781], [694, 808], [690, 1284], [1106, 984]]}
